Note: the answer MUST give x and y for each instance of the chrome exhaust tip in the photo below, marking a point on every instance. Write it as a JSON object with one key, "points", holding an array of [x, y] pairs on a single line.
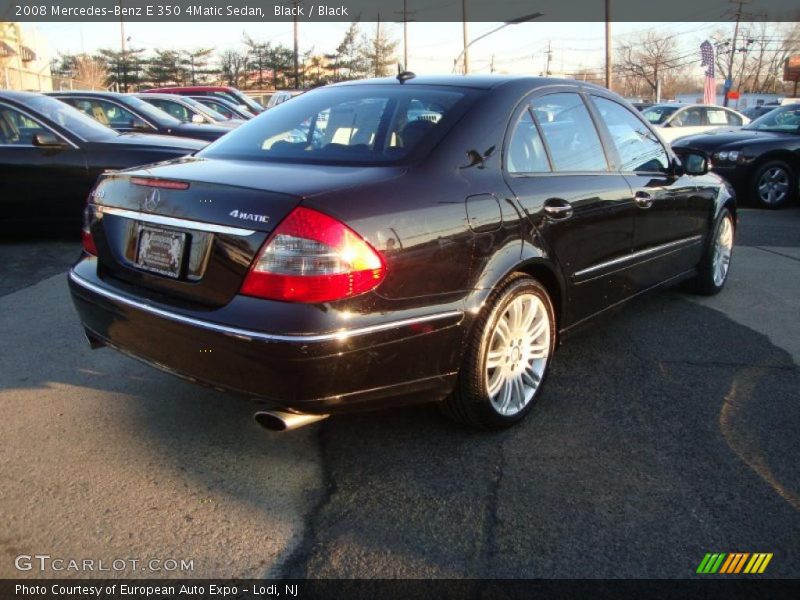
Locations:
{"points": [[278, 420]]}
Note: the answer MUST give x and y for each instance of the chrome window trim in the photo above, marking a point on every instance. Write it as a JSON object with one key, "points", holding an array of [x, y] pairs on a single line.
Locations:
{"points": [[342, 334], [173, 221], [674, 245]]}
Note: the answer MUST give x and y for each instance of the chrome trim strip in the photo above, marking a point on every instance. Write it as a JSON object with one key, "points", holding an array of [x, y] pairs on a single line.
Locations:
{"points": [[640, 254], [173, 221], [248, 334]]}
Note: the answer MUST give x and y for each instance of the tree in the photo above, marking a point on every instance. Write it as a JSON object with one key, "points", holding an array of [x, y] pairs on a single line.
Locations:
{"points": [[90, 72], [380, 52], [349, 61], [647, 57], [165, 68], [196, 63], [233, 65], [124, 68]]}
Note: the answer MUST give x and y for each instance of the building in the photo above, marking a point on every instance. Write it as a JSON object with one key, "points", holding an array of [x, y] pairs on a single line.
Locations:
{"points": [[24, 59]]}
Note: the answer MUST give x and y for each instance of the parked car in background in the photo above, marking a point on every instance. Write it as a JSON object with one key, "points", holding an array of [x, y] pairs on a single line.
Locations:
{"points": [[282, 96], [187, 110], [640, 106], [761, 160], [127, 113], [227, 108], [229, 93], [393, 259], [677, 120], [51, 155], [755, 112]]}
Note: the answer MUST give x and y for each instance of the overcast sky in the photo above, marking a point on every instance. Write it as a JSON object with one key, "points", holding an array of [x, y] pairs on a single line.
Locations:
{"points": [[432, 46]]}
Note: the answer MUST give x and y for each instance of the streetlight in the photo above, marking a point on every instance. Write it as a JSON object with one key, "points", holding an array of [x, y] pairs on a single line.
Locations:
{"points": [[516, 21]]}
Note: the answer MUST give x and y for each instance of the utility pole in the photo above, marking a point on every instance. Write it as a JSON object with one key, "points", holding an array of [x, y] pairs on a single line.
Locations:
{"points": [[405, 13], [466, 35], [729, 79], [608, 44], [296, 50], [547, 63], [491, 65], [122, 56], [378, 47]]}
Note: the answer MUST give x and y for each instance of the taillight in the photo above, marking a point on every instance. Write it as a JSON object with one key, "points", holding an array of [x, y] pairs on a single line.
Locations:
{"points": [[166, 184], [312, 257], [86, 233]]}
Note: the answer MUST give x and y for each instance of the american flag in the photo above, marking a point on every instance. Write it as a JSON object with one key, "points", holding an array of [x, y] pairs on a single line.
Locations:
{"points": [[707, 61]]}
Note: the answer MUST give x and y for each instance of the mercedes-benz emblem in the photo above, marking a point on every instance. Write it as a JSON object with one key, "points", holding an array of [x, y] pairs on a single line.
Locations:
{"points": [[152, 200]]}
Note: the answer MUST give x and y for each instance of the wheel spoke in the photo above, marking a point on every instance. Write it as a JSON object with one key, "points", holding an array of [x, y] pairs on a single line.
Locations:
{"points": [[517, 355]]}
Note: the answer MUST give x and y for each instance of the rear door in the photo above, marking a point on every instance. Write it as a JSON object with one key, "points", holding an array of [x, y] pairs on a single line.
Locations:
{"points": [[671, 214], [556, 166]]}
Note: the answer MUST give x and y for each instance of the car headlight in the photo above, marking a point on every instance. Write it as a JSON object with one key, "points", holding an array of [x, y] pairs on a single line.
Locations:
{"points": [[731, 155]]}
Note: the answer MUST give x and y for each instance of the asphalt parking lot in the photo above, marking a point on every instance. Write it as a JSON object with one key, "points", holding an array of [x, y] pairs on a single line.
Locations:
{"points": [[665, 432]]}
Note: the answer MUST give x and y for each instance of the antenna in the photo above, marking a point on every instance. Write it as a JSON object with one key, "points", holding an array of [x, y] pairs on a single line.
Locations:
{"points": [[405, 76]]}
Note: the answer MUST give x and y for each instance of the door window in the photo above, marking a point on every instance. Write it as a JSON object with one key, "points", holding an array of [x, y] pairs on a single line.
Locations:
{"points": [[637, 146], [717, 116], [16, 128], [689, 117], [103, 111], [526, 152], [570, 133], [179, 111], [733, 118]]}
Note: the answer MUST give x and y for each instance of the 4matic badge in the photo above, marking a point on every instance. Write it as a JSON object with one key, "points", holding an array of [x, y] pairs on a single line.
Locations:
{"points": [[237, 214]]}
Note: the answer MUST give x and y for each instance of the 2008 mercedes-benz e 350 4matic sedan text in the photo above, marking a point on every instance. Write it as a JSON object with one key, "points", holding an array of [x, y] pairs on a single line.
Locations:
{"points": [[397, 240]]}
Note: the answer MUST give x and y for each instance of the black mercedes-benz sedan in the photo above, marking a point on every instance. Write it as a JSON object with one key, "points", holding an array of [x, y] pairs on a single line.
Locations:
{"points": [[431, 239], [127, 113], [761, 160], [52, 154]]}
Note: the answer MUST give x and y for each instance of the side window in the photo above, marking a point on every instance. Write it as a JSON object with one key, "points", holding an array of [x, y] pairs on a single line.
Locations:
{"points": [[570, 133], [638, 148], [689, 117], [179, 111], [526, 152], [225, 112], [17, 129], [734, 119], [717, 116], [115, 115]]}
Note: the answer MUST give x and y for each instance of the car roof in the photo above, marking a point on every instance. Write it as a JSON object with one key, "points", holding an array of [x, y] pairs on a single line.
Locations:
{"points": [[88, 93], [17, 95], [196, 88], [484, 82]]}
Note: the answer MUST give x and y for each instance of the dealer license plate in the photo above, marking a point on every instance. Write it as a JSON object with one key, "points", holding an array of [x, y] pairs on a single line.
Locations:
{"points": [[161, 251]]}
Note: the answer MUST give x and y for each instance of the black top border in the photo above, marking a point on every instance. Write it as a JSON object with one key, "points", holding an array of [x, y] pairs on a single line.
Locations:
{"points": [[393, 11]]}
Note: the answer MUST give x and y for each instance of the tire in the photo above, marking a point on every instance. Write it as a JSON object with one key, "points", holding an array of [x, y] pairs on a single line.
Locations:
{"points": [[774, 184], [712, 272], [518, 327]]}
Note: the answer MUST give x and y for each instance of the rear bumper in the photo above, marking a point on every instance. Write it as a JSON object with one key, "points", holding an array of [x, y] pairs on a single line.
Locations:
{"points": [[403, 358]]}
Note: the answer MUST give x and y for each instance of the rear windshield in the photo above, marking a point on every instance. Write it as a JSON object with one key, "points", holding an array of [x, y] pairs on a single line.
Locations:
{"points": [[365, 124]]}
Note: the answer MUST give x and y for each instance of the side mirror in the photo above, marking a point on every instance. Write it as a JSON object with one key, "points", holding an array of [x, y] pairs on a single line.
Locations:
{"points": [[198, 119], [47, 139], [694, 163], [139, 125]]}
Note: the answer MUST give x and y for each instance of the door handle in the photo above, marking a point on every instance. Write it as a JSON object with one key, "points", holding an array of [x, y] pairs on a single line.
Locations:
{"points": [[556, 208], [643, 199]]}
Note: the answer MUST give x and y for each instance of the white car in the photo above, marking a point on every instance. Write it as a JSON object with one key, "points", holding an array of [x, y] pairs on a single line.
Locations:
{"points": [[678, 120]]}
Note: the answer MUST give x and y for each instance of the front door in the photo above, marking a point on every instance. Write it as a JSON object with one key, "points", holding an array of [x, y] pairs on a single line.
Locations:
{"points": [[38, 184]]}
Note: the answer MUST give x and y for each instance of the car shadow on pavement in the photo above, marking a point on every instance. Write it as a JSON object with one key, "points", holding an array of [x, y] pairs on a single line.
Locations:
{"points": [[667, 432], [663, 433]]}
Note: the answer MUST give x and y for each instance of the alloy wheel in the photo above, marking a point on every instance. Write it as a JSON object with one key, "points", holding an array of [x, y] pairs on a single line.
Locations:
{"points": [[723, 247], [517, 355], [773, 185]]}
